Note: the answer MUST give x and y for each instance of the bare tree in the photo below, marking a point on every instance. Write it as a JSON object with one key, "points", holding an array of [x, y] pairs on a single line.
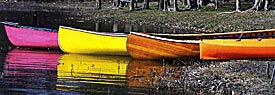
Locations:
{"points": [[238, 5], [132, 5], [176, 8], [188, 4], [145, 4], [161, 4], [116, 3], [266, 5], [98, 4], [256, 6], [183, 2], [166, 5]]}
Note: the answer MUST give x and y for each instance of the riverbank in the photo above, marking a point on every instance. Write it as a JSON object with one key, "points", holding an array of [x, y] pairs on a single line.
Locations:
{"points": [[203, 20]]}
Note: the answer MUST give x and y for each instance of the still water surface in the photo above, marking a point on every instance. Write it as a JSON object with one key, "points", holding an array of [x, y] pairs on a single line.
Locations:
{"points": [[47, 72]]}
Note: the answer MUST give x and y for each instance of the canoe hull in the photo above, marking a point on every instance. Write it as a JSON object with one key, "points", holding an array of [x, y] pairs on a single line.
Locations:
{"points": [[232, 49], [77, 41], [25, 37], [140, 47]]}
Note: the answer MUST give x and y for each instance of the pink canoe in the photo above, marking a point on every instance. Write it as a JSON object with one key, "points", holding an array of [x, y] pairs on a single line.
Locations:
{"points": [[32, 37]]}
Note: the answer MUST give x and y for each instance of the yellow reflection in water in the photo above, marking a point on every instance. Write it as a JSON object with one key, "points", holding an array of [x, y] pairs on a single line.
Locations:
{"points": [[76, 70]]}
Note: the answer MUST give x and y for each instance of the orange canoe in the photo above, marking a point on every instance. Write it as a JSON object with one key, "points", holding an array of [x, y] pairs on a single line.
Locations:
{"points": [[225, 49], [268, 33]]}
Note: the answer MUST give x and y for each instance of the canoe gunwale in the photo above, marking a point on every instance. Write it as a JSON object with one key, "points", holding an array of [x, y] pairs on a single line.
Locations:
{"points": [[211, 41], [16, 25], [97, 33], [166, 39], [216, 34]]}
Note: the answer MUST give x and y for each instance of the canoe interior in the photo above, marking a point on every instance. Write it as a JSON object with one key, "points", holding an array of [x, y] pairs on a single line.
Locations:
{"points": [[230, 35], [12, 24]]}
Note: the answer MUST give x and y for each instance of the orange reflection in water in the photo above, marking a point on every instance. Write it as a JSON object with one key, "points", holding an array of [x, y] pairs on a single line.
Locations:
{"points": [[147, 73]]}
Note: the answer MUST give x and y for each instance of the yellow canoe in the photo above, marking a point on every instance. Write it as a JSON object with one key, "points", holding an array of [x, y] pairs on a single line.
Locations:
{"points": [[91, 69], [73, 40]]}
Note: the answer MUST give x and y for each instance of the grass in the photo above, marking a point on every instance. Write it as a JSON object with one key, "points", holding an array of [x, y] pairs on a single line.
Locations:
{"points": [[205, 20]]}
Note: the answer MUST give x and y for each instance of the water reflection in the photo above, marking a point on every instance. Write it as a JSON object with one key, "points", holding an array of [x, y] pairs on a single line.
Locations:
{"points": [[27, 70], [92, 73], [147, 73]]}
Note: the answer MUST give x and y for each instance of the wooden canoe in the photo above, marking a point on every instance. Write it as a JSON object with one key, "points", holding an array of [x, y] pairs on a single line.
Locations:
{"points": [[91, 69], [268, 33], [156, 46], [225, 49], [33, 37], [73, 40], [145, 46]]}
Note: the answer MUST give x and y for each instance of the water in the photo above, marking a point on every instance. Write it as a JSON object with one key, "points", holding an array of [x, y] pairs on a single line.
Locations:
{"points": [[39, 72], [54, 19]]}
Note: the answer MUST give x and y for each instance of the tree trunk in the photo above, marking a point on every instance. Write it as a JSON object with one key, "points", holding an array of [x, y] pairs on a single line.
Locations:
{"points": [[136, 1], [131, 5], [165, 5], [98, 4], [216, 4], [238, 5], [266, 5], [145, 4], [256, 5], [114, 2], [183, 2], [176, 8], [168, 2], [117, 3], [188, 4], [199, 4], [161, 4]]}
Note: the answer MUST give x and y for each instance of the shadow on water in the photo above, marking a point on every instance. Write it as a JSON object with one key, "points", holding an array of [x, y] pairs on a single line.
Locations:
{"points": [[54, 19]]}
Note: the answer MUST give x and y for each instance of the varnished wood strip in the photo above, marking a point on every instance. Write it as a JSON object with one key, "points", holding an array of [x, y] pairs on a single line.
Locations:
{"points": [[147, 48]]}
